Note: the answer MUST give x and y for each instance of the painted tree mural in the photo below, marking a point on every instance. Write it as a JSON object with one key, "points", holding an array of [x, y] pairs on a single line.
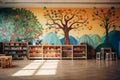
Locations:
{"points": [[19, 23], [66, 20], [108, 19]]}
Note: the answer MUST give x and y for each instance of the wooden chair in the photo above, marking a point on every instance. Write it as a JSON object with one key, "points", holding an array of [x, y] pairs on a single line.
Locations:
{"points": [[114, 55], [98, 55], [5, 61]]}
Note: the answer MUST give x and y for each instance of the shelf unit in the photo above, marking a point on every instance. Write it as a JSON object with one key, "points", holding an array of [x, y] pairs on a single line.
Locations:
{"points": [[1, 48], [80, 51], [18, 50], [67, 52], [21, 50], [51, 52], [35, 52]]}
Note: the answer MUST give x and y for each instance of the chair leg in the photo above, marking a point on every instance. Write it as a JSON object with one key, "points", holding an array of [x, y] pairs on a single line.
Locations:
{"points": [[98, 55], [108, 56], [114, 56]]}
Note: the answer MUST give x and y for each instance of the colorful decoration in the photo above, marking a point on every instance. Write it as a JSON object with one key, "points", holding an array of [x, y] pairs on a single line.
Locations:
{"points": [[19, 23], [62, 17], [29, 30], [108, 19], [17, 16], [89, 27]]}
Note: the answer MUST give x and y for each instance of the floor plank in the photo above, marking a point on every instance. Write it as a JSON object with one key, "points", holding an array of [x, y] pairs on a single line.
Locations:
{"points": [[62, 70]]}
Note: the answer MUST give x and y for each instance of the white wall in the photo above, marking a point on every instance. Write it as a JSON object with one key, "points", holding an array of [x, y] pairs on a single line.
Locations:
{"points": [[59, 3]]}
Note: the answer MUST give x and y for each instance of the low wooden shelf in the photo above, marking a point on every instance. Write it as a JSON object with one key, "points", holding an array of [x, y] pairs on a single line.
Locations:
{"points": [[18, 50], [22, 50]]}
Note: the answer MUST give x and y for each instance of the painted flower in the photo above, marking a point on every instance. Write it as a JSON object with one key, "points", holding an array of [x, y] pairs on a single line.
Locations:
{"points": [[69, 9], [25, 19], [29, 30], [77, 24], [89, 27], [87, 22], [17, 16], [81, 18], [0, 30], [3, 35], [93, 15]]}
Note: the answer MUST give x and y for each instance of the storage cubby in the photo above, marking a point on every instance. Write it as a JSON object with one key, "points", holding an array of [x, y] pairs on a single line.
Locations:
{"points": [[35, 52], [80, 51], [51, 52], [18, 50], [67, 52]]}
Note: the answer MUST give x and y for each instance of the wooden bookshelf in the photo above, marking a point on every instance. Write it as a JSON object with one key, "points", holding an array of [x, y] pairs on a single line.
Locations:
{"points": [[18, 50], [35, 52], [80, 51], [67, 52], [21, 50], [51, 52]]}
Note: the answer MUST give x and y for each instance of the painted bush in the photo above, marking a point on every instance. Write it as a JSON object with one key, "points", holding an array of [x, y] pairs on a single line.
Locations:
{"points": [[103, 45], [51, 39], [73, 41], [114, 39], [96, 39], [119, 50]]}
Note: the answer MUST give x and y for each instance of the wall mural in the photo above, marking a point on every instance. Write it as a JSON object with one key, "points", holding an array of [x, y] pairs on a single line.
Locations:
{"points": [[107, 18], [18, 24], [61, 26], [66, 20]]}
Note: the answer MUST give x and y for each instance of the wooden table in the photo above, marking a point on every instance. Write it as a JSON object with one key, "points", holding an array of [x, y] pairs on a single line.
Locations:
{"points": [[5, 61]]}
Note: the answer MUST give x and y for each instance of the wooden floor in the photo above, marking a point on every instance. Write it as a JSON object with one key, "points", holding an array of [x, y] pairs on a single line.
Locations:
{"points": [[62, 70]]}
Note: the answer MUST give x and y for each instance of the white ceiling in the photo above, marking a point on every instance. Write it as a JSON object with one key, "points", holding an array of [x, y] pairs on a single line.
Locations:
{"points": [[59, 3]]}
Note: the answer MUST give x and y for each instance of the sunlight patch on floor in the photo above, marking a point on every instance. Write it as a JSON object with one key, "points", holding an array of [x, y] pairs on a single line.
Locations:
{"points": [[39, 67], [33, 65], [49, 68], [50, 65], [24, 73], [46, 72]]}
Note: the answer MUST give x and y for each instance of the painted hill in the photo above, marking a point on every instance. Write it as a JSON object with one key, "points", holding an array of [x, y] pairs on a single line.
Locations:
{"points": [[96, 39], [86, 39], [51, 39], [103, 45], [114, 39]]}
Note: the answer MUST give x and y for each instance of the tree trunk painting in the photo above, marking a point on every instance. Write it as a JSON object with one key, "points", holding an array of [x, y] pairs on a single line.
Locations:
{"points": [[108, 19], [66, 39], [107, 37], [66, 20]]}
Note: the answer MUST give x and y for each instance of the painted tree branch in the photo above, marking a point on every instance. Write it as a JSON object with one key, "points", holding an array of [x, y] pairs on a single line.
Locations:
{"points": [[107, 19], [77, 22], [67, 18]]}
